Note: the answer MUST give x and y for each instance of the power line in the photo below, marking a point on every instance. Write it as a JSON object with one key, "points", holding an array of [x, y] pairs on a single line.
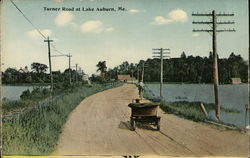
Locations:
{"points": [[54, 48], [37, 29], [28, 20]]}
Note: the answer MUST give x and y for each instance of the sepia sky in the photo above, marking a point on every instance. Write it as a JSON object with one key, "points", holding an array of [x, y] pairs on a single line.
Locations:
{"points": [[116, 36]]}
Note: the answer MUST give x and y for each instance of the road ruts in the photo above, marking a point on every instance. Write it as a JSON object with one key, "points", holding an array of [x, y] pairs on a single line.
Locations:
{"points": [[100, 126]]}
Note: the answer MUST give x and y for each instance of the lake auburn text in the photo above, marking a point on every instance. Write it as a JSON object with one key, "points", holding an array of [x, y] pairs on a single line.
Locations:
{"points": [[88, 9]]}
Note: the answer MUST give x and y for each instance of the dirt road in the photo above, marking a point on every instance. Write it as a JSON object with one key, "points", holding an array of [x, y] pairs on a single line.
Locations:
{"points": [[100, 126]]}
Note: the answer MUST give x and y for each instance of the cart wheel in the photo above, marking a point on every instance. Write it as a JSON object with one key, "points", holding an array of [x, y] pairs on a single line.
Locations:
{"points": [[132, 122], [158, 125]]}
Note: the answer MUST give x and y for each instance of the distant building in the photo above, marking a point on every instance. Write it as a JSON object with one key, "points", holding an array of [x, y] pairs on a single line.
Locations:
{"points": [[126, 78], [85, 77], [25, 70], [236, 81]]}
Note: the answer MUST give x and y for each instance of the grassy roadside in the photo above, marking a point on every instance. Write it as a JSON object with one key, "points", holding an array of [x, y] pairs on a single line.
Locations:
{"points": [[36, 131], [27, 100], [190, 110]]}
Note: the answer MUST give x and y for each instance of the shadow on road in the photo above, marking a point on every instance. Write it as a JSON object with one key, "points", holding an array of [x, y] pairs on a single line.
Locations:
{"points": [[126, 125]]}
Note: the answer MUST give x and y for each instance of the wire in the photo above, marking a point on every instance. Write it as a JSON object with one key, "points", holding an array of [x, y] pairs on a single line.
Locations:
{"points": [[28, 19], [54, 47]]}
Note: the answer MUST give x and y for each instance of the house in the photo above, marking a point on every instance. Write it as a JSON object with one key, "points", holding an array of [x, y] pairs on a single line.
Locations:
{"points": [[85, 77], [126, 78], [25, 70], [236, 81]]}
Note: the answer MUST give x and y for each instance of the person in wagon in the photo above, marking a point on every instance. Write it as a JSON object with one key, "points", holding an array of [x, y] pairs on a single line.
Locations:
{"points": [[141, 88]]}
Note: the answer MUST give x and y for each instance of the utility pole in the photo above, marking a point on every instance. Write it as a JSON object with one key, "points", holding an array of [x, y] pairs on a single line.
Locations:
{"points": [[213, 24], [142, 74], [161, 54], [50, 68], [69, 56], [138, 73], [76, 73]]}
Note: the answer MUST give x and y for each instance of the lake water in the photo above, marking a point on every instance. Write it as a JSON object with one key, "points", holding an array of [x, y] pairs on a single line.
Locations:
{"points": [[230, 96], [14, 92]]}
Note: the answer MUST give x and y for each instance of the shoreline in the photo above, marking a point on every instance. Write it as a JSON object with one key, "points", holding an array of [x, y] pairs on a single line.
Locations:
{"points": [[180, 83], [192, 112]]}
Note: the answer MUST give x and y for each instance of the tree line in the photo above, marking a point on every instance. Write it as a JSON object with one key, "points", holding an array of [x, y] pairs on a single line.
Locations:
{"points": [[186, 69], [38, 74]]}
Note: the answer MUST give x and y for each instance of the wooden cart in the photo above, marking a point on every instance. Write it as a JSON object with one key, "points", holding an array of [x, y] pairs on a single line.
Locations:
{"points": [[144, 113]]}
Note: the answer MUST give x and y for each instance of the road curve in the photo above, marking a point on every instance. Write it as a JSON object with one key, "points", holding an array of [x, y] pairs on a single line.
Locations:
{"points": [[99, 125]]}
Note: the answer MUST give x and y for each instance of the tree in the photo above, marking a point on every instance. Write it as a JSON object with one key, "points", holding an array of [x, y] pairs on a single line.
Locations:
{"points": [[183, 55], [28, 79], [101, 66], [189, 69], [39, 68], [10, 75]]}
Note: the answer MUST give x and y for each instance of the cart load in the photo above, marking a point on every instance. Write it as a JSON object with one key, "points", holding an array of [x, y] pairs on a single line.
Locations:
{"points": [[144, 113]]}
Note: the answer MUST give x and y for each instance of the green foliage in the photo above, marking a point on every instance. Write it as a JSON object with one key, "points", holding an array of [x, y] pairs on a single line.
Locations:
{"points": [[27, 99], [25, 95], [187, 69], [36, 132], [39, 75], [187, 110], [190, 110], [39, 68], [101, 66]]}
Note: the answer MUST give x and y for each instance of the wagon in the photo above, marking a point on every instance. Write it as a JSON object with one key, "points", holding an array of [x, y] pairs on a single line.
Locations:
{"points": [[144, 113]]}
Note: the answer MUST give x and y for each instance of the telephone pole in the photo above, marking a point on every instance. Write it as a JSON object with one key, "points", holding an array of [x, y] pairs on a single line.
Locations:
{"points": [[161, 54], [138, 73], [76, 73], [213, 24], [69, 56], [50, 68], [143, 67]]}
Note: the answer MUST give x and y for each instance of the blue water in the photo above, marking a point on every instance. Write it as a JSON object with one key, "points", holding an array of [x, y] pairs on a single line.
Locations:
{"points": [[230, 96], [14, 92]]}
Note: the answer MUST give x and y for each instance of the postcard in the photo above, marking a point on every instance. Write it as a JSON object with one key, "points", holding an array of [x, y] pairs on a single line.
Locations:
{"points": [[124, 78]]}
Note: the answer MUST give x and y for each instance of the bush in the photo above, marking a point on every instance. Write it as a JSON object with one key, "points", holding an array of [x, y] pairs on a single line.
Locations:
{"points": [[25, 95]]}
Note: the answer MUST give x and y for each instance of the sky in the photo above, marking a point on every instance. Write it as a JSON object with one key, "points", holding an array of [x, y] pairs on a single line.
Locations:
{"points": [[128, 34]]}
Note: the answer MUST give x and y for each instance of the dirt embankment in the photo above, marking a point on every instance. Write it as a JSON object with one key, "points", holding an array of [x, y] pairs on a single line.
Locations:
{"points": [[100, 126]]}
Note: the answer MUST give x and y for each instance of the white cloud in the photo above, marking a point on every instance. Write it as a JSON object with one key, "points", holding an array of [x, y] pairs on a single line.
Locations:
{"points": [[33, 34], [159, 20], [64, 18], [58, 0], [174, 16], [195, 34], [109, 29], [178, 15], [134, 11], [94, 26]]}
